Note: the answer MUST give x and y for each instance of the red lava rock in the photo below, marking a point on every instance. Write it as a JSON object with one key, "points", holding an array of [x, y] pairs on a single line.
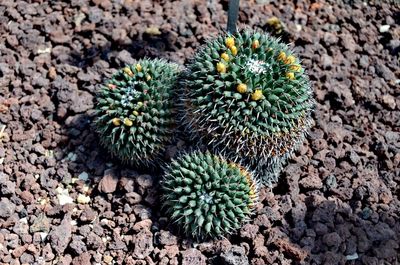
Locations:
{"points": [[249, 231], [108, 183], [83, 259], [291, 249], [7, 208], [143, 244], [235, 255], [167, 238], [60, 236], [144, 182], [311, 182], [193, 257]]}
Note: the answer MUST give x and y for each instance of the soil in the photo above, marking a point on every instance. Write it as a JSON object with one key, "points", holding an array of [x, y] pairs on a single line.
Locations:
{"points": [[64, 201]]}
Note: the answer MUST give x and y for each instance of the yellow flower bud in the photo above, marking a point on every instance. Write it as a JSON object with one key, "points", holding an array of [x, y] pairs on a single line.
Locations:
{"points": [[148, 77], [234, 50], [255, 44], [230, 42], [295, 67], [241, 88], [221, 68], [135, 113], [116, 121], [140, 104], [290, 75], [128, 122], [282, 56], [138, 67], [225, 56], [290, 59], [257, 95], [128, 71]]}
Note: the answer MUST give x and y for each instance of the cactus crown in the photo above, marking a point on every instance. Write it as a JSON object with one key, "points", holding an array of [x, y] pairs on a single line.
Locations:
{"points": [[135, 111], [248, 94], [207, 195]]}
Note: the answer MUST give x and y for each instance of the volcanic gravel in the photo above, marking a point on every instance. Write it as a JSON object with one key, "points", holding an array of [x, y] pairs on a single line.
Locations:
{"points": [[64, 201]]}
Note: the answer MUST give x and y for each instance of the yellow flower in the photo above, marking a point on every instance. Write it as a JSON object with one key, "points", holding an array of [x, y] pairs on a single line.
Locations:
{"points": [[116, 121], [225, 56], [128, 122], [138, 67], [230, 42], [128, 71], [290, 76], [255, 44], [282, 56], [135, 113], [295, 67], [257, 95], [290, 59], [234, 50], [148, 77], [221, 68], [241, 88]]}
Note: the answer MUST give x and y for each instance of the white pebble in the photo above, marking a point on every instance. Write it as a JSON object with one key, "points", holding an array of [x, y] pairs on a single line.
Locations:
{"points": [[384, 28]]}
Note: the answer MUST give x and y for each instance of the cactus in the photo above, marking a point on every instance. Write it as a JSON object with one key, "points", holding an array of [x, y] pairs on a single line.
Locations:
{"points": [[247, 94], [207, 195], [136, 111]]}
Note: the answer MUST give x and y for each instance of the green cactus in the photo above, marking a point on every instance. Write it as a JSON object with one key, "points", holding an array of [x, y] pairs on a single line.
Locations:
{"points": [[207, 195], [136, 111], [246, 94]]}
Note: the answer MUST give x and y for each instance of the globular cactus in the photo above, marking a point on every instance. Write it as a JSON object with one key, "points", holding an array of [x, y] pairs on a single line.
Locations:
{"points": [[136, 111], [248, 95], [207, 195]]}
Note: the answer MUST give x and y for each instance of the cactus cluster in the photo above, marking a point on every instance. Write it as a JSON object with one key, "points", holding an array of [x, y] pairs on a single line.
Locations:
{"points": [[247, 94], [136, 111], [207, 195]]}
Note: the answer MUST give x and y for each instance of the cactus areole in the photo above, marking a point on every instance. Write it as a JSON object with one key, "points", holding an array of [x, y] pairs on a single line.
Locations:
{"points": [[135, 111], [246, 93]]}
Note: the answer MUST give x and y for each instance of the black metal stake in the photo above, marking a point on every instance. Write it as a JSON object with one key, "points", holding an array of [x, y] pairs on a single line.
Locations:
{"points": [[233, 12]]}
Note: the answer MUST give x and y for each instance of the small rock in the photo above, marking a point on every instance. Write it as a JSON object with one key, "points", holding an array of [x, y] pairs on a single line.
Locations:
{"points": [[352, 257], [167, 238], [108, 183], [83, 199], [153, 31], [384, 28], [41, 224], [313, 181], [83, 259], [60, 236], [83, 176], [7, 208], [63, 196], [144, 182], [107, 259], [143, 244], [235, 256], [249, 231], [326, 62], [193, 257], [389, 101]]}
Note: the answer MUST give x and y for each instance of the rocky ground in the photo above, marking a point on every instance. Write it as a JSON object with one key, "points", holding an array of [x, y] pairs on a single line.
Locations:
{"points": [[63, 201]]}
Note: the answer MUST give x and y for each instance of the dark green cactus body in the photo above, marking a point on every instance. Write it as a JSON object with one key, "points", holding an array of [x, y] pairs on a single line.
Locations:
{"points": [[136, 111], [247, 94], [208, 196]]}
